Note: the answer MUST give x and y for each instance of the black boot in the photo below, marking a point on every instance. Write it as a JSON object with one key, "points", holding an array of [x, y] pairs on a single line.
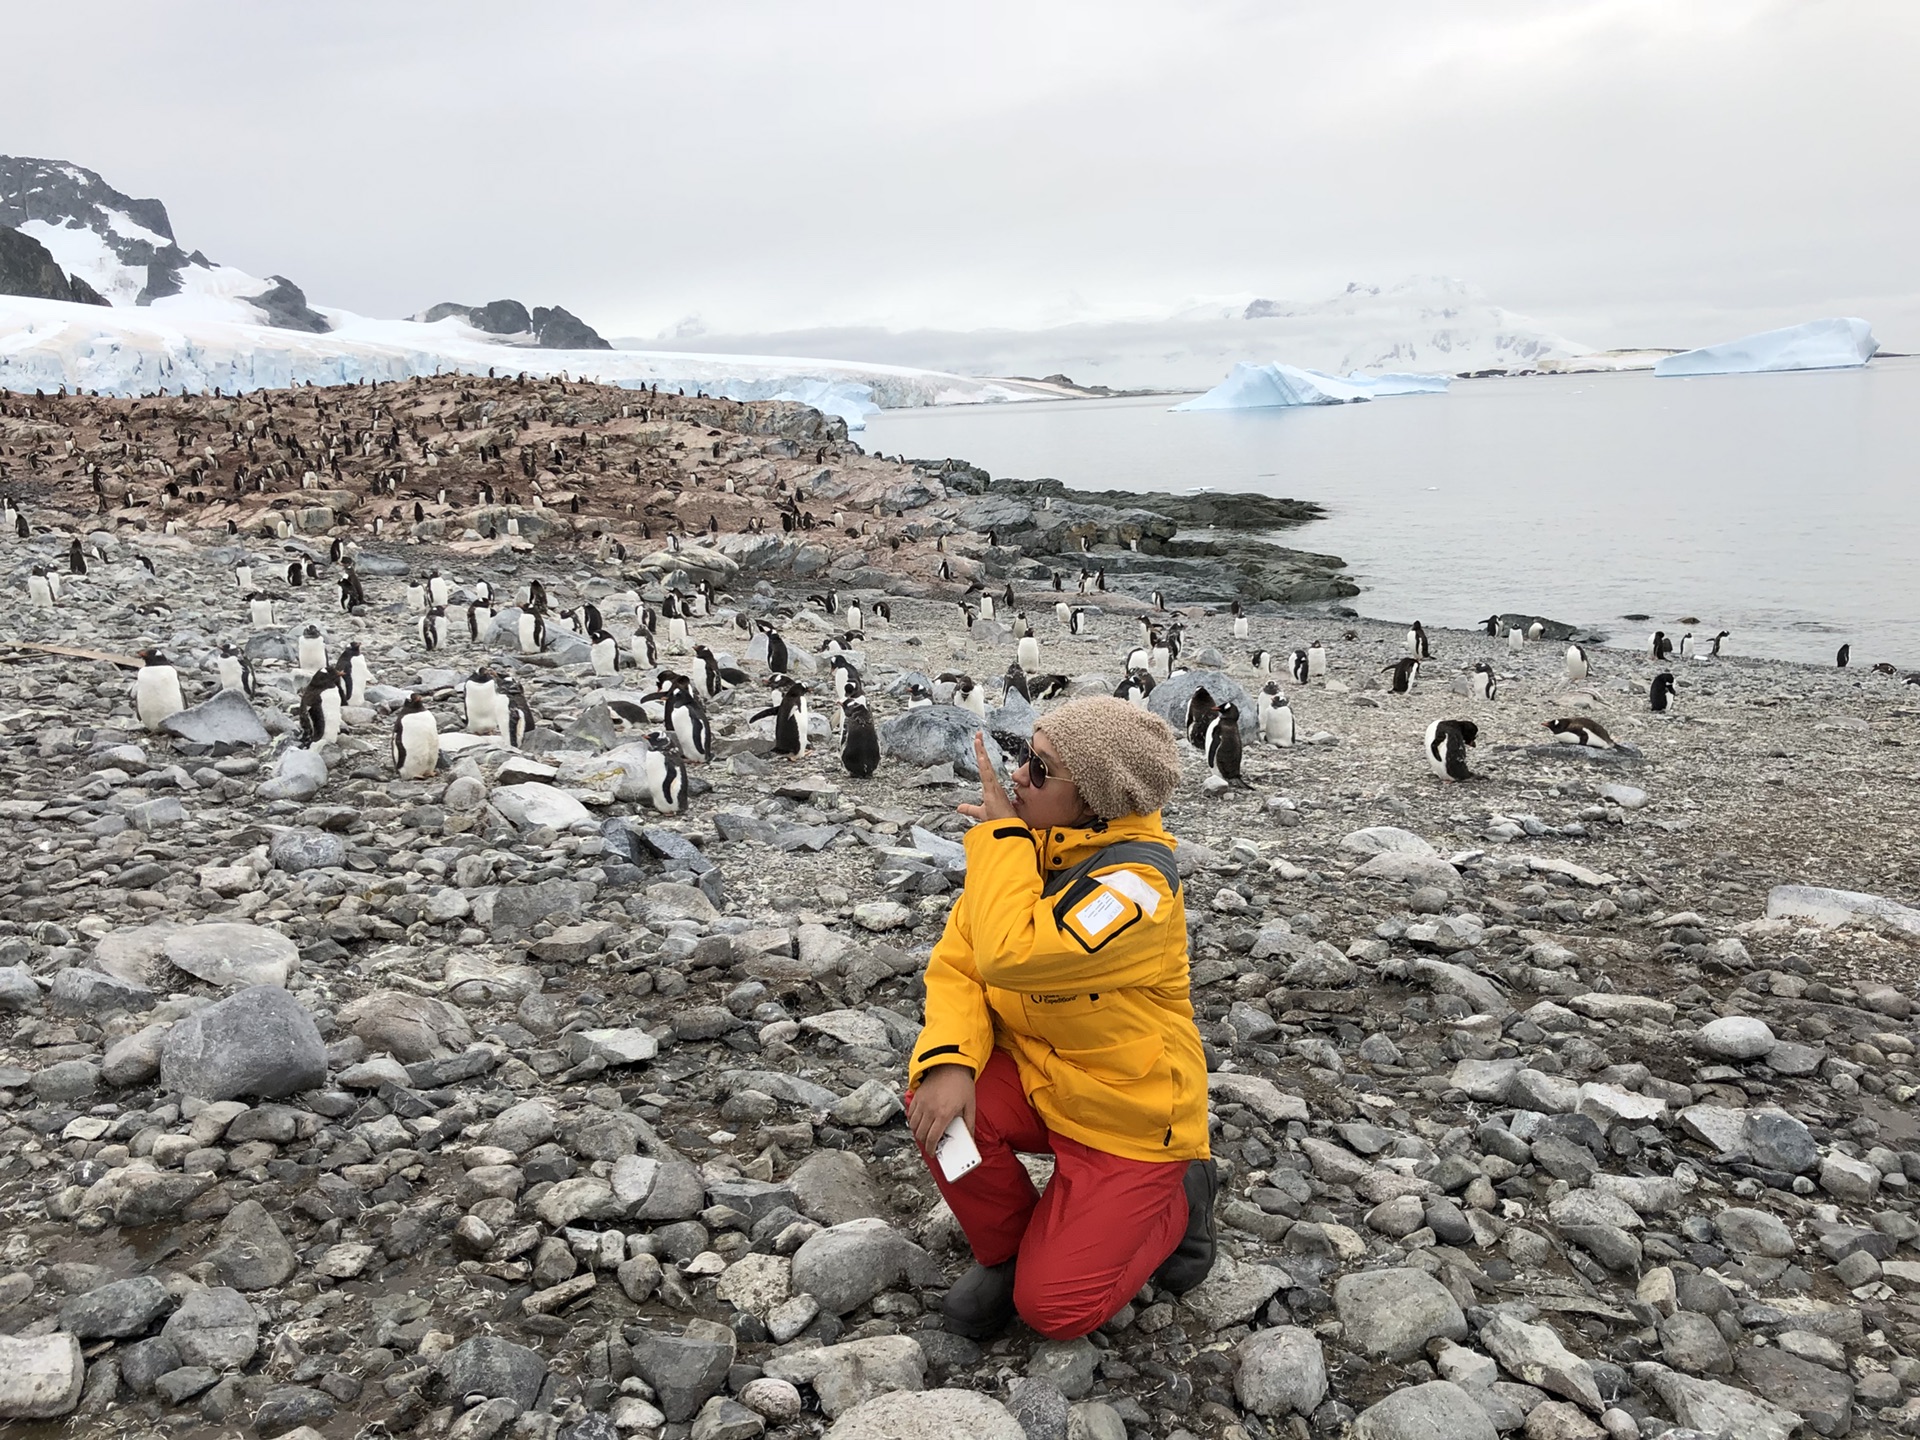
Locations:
{"points": [[1192, 1258], [980, 1304]]}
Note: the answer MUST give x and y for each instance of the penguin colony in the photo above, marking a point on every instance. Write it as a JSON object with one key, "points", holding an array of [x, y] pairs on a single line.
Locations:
{"points": [[299, 484]]}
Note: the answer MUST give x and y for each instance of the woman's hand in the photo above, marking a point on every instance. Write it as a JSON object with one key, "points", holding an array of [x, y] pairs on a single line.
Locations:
{"points": [[945, 1091], [995, 803]]}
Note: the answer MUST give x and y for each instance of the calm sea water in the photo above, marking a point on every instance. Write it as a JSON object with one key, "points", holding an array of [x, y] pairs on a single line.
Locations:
{"points": [[1785, 508]]}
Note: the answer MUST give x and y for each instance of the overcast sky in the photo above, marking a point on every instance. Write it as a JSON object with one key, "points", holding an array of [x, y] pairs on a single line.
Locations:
{"points": [[1661, 172]]}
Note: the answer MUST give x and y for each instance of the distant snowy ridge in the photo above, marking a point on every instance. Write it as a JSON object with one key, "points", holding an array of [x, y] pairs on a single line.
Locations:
{"points": [[1834, 344], [45, 344], [1426, 323], [1259, 387]]}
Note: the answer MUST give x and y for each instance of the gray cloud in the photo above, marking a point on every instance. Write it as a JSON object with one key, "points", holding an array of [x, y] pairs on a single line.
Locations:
{"points": [[1628, 171]]}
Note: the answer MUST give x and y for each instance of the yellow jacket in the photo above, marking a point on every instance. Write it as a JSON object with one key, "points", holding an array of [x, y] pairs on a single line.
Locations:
{"points": [[1087, 988]]}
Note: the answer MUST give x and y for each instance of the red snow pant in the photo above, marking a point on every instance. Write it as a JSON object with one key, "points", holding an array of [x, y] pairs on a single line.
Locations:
{"points": [[1086, 1247]]}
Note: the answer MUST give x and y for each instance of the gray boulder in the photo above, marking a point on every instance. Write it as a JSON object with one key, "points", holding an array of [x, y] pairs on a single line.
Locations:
{"points": [[233, 956], [928, 1415], [298, 851], [117, 1309], [847, 1265], [1282, 1371], [18, 989], [259, 1041], [298, 775], [227, 719], [685, 1369], [494, 1368], [251, 1253], [1437, 1410], [1392, 1314], [937, 735], [215, 1328], [1170, 697], [40, 1376]]}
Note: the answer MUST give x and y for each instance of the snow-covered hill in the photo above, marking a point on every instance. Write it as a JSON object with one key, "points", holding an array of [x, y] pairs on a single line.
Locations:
{"points": [[45, 344], [1426, 324]]}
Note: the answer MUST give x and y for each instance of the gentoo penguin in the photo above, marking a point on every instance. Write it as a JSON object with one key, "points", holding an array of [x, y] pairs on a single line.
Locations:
{"points": [[1135, 687], [1447, 742], [1063, 612], [1240, 628], [352, 592], [416, 597], [883, 610], [156, 689], [234, 671], [533, 632], [433, 628], [1661, 691], [860, 742], [686, 718], [486, 712], [519, 714], [1297, 667], [1492, 625], [967, 694], [604, 652], [856, 621], [677, 641], [1160, 654], [1713, 646], [260, 609], [1516, 639], [844, 679], [1262, 661], [1316, 660], [1077, 621], [40, 588], [1659, 647], [355, 674], [1015, 681], [1576, 664], [776, 648], [76, 558], [664, 774], [1029, 651], [416, 740], [1536, 630], [243, 573], [320, 709], [1223, 744], [1842, 656], [1276, 716], [985, 603], [1047, 687], [919, 697], [790, 721], [1202, 709], [1578, 730], [439, 588], [479, 620], [296, 573], [1686, 646], [482, 590], [716, 678], [1405, 671], [1417, 642], [313, 650], [1482, 681], [646, 654]]}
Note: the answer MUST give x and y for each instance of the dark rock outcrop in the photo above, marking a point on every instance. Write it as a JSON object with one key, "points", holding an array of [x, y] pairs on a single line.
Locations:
{"points": [[285, 306], [27, 268], [547, 328], [560, 330]]}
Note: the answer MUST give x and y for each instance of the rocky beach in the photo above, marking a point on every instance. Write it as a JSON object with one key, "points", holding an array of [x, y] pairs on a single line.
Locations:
{"points": [[1571, 1101]]}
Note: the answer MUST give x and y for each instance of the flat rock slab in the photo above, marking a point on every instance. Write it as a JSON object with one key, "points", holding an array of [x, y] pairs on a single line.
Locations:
{"points": [[233, 956], [227, 719], [1838, 907]]}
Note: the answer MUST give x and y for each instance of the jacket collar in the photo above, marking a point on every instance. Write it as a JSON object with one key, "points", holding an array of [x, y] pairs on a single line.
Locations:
{"points": [[1064, 846]]}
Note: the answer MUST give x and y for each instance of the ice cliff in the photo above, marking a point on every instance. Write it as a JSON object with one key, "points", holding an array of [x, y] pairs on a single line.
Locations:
{"points": [[1255, 387], [1817, 345]]}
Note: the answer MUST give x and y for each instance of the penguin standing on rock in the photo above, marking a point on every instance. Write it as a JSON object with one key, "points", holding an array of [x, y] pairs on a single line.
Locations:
{"points": [[1576, 664], [320, 709], [1240, 625], [1029, 648], [1015, 682], [1516, 640], [1202, 710], [519, 713], [156, 690], [1492, 626], [313, 650], [1276, 716], [532, 631], [1135, 688], [1261, 661], [416, 740], [234, 671], [40, 592], [777, 658], [355, 674], [1659, 647], [479, 620], [486, 714], [1660, 693], [664, 774], [433, 628], [260, 610], [1417, 642], [790, 721], [1844, 655], [1482, 681], [1686, 646], [1447, 744], [1316, 660], [686, 718], [1223, 744], [860, 744], [1297, 667], [967, 693], [1405, 672], [604, 652], [1713, 646]]}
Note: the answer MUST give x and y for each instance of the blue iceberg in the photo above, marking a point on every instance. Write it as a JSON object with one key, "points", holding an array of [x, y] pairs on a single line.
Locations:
{"points": [[1817, 345], [1257, 387]]}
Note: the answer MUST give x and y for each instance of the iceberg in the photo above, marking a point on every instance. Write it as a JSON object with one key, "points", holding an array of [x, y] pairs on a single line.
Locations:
{"points": [[176, 348], [1831, 344], [1256, 387]]}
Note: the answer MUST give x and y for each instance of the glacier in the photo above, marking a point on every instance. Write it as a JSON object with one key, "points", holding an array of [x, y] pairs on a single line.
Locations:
{"points": [[194, 343], [1831, 344], [1250, 386]]}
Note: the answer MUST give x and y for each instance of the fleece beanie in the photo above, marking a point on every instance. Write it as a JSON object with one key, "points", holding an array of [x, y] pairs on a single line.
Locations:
{"points": [[1122, 758]]}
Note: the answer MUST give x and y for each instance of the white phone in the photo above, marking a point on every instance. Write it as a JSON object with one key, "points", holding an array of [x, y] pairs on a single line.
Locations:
{"points": [[956, 1152]]}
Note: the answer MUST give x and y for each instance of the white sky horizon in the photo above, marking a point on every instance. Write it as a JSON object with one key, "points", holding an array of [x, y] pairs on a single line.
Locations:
{"points": [[1626, 172]]}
